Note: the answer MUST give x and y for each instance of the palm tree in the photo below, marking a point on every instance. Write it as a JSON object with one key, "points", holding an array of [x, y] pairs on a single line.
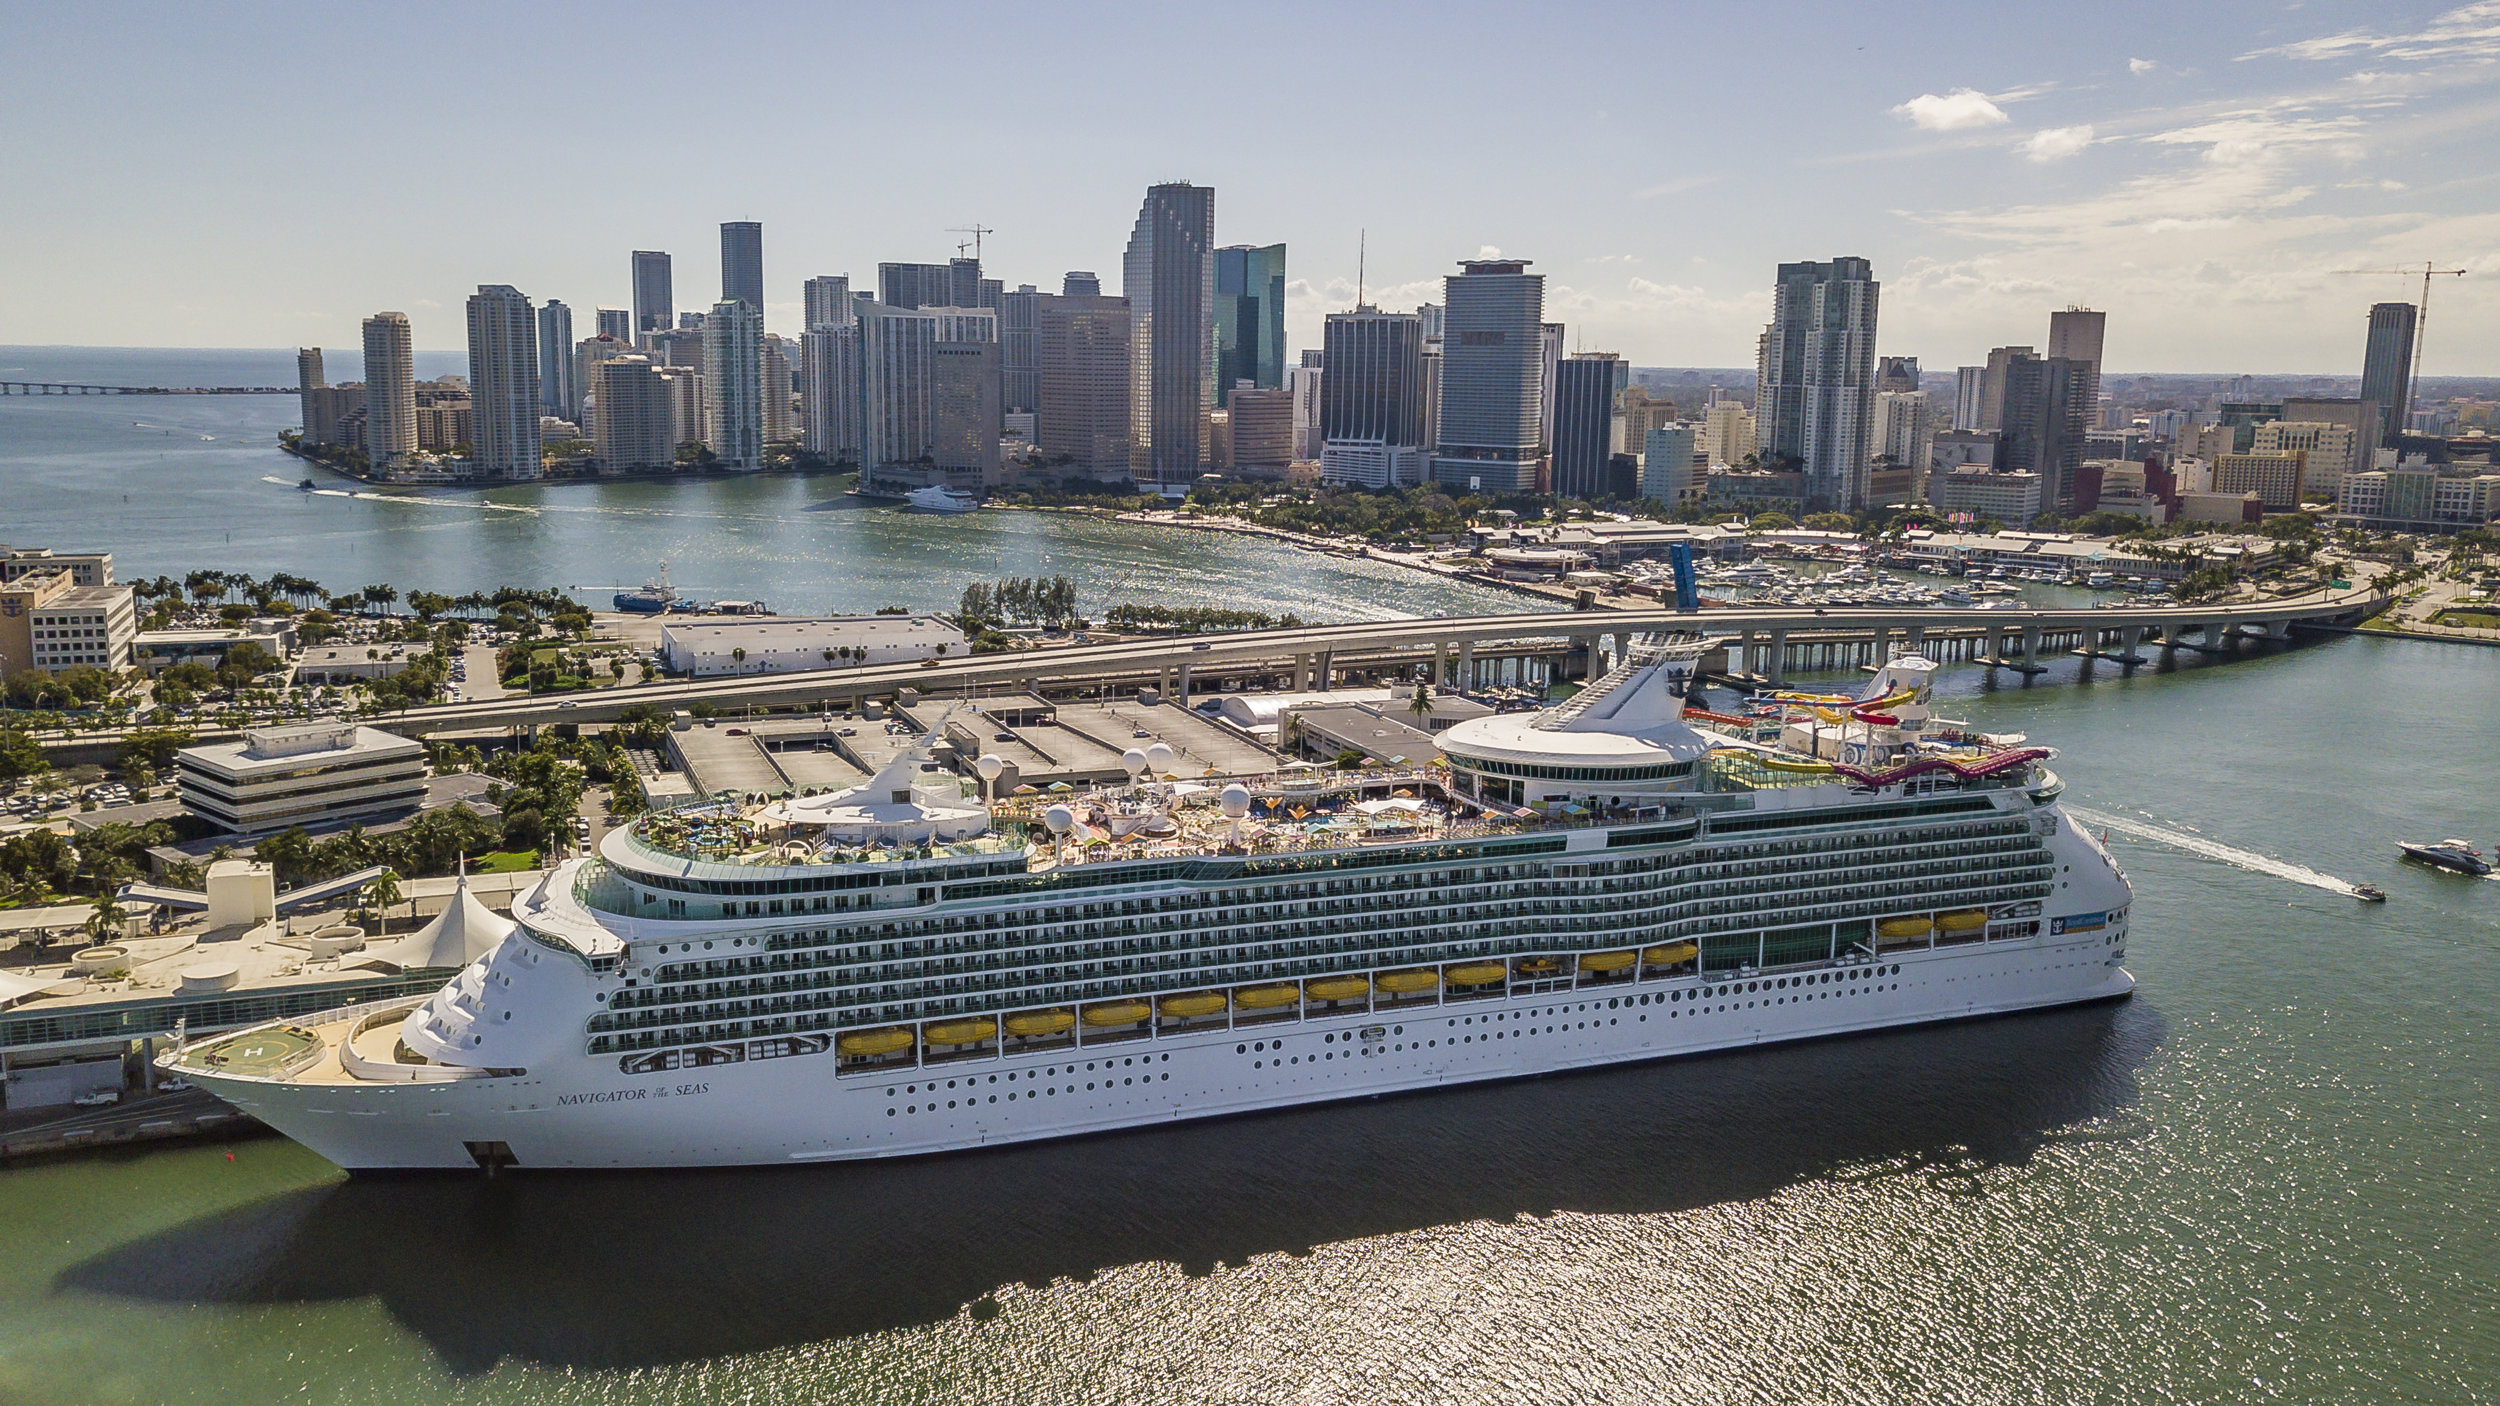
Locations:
{"points": [[105, 923], [1421, 704], [1292, 733], [384, 891]]}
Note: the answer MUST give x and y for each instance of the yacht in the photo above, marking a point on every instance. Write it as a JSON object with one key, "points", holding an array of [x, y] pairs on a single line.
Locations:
{"points": [[940, 498], [2448, 854]]}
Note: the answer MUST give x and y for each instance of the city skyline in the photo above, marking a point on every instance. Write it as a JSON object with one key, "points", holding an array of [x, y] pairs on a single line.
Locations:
{"points": [[2201, 176]]}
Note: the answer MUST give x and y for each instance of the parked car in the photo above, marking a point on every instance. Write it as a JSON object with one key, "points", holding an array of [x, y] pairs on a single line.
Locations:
{"points": [[101, 1098], [174, 1086]]}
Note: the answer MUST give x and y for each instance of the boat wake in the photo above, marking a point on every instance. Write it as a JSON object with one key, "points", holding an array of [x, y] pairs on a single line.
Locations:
{"points": [[2249, 860]]}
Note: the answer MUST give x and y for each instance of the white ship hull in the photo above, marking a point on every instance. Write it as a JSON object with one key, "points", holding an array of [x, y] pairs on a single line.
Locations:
{"points": [[585, 1114]]}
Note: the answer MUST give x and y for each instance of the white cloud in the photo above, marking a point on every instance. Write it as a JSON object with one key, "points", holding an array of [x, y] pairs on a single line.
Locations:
{"points": [[2140, 67], [2056, 143], [1955, 111], [2469, 31]]}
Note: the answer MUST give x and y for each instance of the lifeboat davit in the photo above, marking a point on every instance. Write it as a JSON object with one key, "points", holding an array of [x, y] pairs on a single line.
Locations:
{"points": [[874, 1042], [1117, 1013], [1041, 1023], [1339, 988], [961, 1032], [1401, 982], [1605, 961], [1477, 974], [1195, 1004], [1673, 954], [1259, 998], [1966, 920]]}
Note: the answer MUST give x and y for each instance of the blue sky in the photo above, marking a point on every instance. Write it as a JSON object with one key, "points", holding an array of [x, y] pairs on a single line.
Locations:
{"points": [[264, 176]]}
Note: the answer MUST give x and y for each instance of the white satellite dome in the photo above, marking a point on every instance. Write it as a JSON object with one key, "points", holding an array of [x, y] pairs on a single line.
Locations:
{"points": [[989, 764], [1134, 759], [1235, 800], [1160, 757], [1060, 819]]}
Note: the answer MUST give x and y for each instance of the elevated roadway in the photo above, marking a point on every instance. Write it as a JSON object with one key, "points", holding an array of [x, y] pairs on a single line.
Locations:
{"points": [[1765, 642]]}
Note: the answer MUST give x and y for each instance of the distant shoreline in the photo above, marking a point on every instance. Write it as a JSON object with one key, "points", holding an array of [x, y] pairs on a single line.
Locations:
{"points": [[638, 476]]}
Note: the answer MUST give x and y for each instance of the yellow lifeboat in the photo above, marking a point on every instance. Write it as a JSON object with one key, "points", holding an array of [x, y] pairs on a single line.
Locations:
{"points": [[1194, 1004], [1605, 961], [1339, 988], [1117, 1013], [1401, 982], [874, 1042], [1539, 966], [1673, 954], [961, 1032], [1041, 1023], [1796, 764], [1966, 920], [1259, 998], [1477, 974], [1903, 927]]}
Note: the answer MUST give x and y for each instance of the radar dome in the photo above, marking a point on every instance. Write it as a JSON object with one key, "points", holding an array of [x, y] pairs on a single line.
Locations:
{"points": [[1060, 819], [1235, 800], [990, 764], [1160, 756], [1134, 760]]}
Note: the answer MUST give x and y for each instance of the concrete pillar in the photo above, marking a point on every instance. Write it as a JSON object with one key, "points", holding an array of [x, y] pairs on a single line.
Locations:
{"points": [[1327, 670], [1301, 673], [2217, 635], [1745, 654], [1915, 638], [1181, 692], [1881, 650], [2128, 637], [1779, 656], [2031, 646], [1467, 666], [2278, 629]]}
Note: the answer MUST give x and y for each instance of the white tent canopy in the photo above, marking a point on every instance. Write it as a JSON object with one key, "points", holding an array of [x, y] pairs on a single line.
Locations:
{"points": [[464, 931]]}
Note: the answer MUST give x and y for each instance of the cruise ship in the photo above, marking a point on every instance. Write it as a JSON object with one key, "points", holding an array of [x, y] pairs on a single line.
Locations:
{"points": [[910, 966]]}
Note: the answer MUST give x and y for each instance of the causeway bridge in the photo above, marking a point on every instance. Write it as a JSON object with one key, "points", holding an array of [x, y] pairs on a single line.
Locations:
{"points": [[1474, 651], [76, 388]]}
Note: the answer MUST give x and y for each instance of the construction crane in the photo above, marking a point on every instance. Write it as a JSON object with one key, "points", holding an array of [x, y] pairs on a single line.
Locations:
{"points": [[976, 229], [2421, 320]]}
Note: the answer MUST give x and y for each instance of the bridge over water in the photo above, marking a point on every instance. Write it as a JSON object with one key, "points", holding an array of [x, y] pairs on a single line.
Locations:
{"points": [[79, 388], [1469, 651]]}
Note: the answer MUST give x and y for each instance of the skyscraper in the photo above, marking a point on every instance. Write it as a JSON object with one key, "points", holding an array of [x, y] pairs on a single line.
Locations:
{"points": [[557, 391], [733, 383], [1168, 278], [1896, 373], [617, 323], [2387, 366], [503, 383], [1552, 350], [637, 416], [828, 301], [1492, 373], [1082, 345], [1080, 283], [894, 348], [2075, 337], [308, 384], [742, 264], [1371, 410], [390, 392], [774, 403], [915, 285], [1020, 386], [1970, 384], [1816, 398], [963, 283], [655, 306], [829, 389], [1249, 318], [1588, 390], [963, 406]]}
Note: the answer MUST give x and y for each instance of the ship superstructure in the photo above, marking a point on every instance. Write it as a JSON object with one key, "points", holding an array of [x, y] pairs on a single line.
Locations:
{"points": [[905, 967]]}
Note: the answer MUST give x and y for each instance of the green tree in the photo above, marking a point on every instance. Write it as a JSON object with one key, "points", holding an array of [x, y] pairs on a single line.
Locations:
{"points": [[384, 891]]}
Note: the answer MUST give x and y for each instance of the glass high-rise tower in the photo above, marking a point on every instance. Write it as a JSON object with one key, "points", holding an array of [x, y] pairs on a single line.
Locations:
{"points": [[1249, 318], [655, 307], [2387, 365], [1816, 395], [1168, 277], [1492, 377]]}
